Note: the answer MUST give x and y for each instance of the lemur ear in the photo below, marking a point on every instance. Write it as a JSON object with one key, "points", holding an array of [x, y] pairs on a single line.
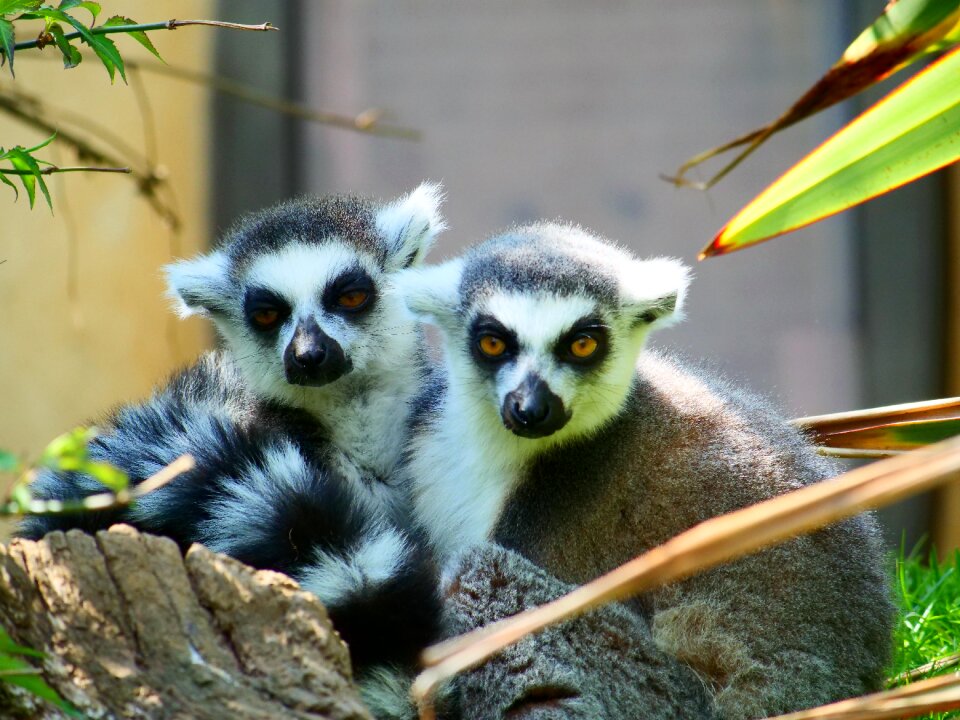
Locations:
{"points": [[655, 291], [410, 224], [198, 286], [431, 294]]}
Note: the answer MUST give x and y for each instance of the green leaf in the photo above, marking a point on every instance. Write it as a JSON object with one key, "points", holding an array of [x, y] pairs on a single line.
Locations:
{"points": [[32, 682], [71, 448], [106, 50], [107, 474], [15, 7], [7, 42], [8, 461], [102, 46], [22, 160], [5, 181], [911, 132], [42, 145], [71, 56], [7, 645], [138, 35], [91, 7]]}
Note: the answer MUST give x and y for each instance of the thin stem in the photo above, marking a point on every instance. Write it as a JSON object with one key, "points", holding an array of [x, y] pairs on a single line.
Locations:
{"points": [[49, 170], [167, 25]]}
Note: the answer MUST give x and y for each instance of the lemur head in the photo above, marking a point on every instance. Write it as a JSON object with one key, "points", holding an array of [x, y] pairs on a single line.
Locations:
{"points": [[297, 290], [542, 326]]}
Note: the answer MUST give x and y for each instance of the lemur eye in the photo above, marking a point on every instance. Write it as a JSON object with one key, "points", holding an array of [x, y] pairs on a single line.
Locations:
{"points": [[583, 346], [492, 346], [353, 299], [265, 318]]}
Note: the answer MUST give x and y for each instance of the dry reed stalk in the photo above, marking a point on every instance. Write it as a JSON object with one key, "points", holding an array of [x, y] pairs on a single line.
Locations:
{"points": [[861, 433], [938, 694], [704, 546]]}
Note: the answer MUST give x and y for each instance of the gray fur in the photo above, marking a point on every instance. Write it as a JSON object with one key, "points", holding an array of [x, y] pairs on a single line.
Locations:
{"points": [[652, 448], [607, 661]]}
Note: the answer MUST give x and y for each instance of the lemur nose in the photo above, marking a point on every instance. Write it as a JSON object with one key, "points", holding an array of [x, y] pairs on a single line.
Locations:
{"points": [[307, 355], [313, 358], [532, 410]]}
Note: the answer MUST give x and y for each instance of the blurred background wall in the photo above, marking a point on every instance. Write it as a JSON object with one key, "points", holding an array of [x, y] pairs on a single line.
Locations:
{"points": [[547, 108]]}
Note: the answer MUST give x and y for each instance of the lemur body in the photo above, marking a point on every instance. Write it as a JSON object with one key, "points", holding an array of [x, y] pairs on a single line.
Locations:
{"points": [[545, 433], [297, 427]]}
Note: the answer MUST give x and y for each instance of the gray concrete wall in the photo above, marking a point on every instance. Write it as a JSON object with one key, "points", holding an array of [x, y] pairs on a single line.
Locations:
{"points": [[565, 109]]}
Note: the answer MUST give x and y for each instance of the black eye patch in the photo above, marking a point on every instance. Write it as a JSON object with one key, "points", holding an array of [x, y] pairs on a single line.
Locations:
{"points": [[264, 309], [485, 328], [585, 345], [352, 292]]}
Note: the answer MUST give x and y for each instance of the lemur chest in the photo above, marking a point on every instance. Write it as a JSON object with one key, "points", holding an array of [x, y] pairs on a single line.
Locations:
{"points": [[460, 489]]}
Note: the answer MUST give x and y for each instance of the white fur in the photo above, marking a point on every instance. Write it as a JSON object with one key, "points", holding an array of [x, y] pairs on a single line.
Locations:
{"points": [[431, 294], [410, 224], [386, 692], [284, 470], [201, 277], [466, 464], [647, 282], [334, 578], [300, 271]]}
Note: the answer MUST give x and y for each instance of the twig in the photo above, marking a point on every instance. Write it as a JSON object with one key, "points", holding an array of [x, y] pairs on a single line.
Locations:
{"points": [[939, 664], [711, 543], [106, 500], [50, 169], [17, 672], [366, 122], [167, 25], [147, 182]]}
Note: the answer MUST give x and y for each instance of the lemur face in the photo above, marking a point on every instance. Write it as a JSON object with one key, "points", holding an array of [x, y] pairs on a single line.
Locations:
{"points": [[542, 326], [297, 291]]}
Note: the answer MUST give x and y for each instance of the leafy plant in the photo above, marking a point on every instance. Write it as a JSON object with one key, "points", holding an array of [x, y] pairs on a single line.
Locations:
{"points": [[14, 669], [63, 29], [910, 133]]}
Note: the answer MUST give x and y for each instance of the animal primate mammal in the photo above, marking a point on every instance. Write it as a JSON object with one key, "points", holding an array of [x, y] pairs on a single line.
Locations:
{"points": [[548, 431], [298, 425]]}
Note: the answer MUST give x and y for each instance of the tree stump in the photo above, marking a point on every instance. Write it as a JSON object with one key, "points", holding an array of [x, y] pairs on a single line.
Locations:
{"points": [[132, 629]]}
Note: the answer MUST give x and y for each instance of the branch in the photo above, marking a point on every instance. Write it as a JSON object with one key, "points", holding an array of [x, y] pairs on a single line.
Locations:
{"points": [[102, 501], [30, 110], [51, 169], [366, 122], [168, 25]]}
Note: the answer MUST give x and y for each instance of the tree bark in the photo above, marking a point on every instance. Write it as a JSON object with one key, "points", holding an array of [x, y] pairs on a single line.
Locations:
{"points": [[132, 629]]}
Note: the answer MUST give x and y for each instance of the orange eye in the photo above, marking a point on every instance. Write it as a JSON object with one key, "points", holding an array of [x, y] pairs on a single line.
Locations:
{"points": [[353, 299], [492, 346], [583, 346], [265, 318]]}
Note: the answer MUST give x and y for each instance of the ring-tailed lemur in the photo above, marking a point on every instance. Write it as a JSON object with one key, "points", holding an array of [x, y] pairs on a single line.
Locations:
{"points": [[549, 432], [298, 426]]}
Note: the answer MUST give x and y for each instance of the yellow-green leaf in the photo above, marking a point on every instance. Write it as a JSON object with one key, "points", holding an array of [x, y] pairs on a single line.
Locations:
{"points": [[911, 132]]}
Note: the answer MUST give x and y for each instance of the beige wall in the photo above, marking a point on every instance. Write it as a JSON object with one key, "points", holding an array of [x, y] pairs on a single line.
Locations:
{"points": [[65, 360]]}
